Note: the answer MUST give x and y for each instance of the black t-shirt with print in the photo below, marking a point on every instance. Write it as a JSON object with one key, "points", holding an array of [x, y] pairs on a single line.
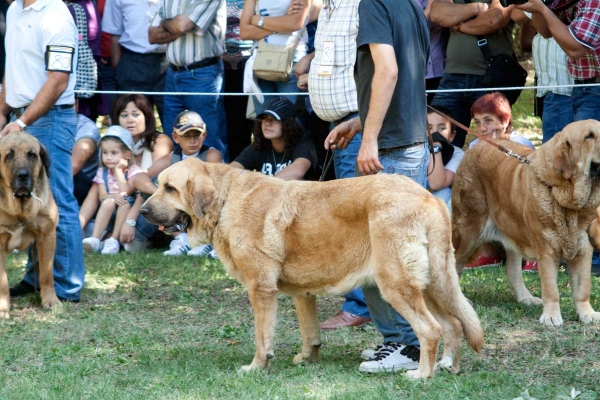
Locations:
{"points": [[270, 162]]}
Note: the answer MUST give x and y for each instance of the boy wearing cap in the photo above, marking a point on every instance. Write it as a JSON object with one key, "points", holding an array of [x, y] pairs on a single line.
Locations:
{"points": [[114, 191], [189, 132], [279, 148]]}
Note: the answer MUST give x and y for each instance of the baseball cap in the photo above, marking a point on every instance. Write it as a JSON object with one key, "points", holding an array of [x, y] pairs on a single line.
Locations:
{"points": [[117, 131], [188, 120], [279, 108]]}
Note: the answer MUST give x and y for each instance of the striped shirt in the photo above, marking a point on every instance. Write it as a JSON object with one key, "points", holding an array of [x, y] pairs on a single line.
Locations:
{"points": [[206, 40], [333, 96], [550, 63]]}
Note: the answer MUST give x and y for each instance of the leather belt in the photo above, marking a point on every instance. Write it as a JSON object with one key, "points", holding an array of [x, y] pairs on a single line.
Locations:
{"points": [[198, 64], [408, 146], [19, 111], [595, 79]]}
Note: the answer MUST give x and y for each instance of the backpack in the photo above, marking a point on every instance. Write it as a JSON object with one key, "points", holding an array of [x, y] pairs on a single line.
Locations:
{"points": [[87, 69]]}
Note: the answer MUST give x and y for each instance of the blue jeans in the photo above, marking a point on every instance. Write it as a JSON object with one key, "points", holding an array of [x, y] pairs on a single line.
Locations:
{"points": [[412, 163], [276, 87], [211, 108], [459, 103], [56, 131], [557, 114], [586, 105], [445, 194]]}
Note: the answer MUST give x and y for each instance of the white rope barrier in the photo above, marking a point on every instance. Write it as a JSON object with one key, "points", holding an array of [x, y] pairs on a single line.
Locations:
{"points": [[306, 93]]}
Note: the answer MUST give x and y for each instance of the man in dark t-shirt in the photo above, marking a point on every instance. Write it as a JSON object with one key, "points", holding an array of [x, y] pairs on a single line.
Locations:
{"points": [[393, 48]]}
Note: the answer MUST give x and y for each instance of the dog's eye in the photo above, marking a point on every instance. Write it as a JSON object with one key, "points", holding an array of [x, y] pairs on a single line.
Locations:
{"points": [[170, 189], [590, 135], [31, 154], [10, 155]]}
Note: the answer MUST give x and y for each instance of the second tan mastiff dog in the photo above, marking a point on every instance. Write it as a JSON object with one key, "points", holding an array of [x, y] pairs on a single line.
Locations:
{"points": [[27, 211], [308, 238], [540, 210]]}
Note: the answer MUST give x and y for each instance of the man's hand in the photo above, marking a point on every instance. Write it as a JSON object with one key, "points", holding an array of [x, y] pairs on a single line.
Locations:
{"points": [[532, 6], [12, 127], [3, 121], [368, 158], [296, 7], [127, 233], [302, 82], [120, 198], [341, 136], [303, 65]]}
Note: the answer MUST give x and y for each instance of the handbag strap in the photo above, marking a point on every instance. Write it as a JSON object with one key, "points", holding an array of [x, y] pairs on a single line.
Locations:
{"points": [[483, 44]]}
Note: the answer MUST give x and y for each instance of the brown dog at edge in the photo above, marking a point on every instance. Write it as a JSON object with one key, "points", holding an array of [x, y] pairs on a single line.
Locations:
{"points": [[540, 210], [27, 211], [307, 238]]}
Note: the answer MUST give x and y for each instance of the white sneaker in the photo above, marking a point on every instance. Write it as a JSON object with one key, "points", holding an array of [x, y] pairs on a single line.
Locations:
{"points": [[136, 245], [179, 246], [111, 246], [200, 251], [91, 245], [213, 254], [392, 357], [369, 354]]}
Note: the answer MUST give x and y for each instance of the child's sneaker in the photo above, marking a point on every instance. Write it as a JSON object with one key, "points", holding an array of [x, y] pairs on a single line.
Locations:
{"points": [[200, 251], [392, 357], [91, 245], [136, 246], [178, 246], [530, 266], [483, 261], [111, 246], [213, 254]]}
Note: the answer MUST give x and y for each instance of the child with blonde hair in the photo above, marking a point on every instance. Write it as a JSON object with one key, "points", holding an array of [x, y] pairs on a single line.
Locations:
{"points": [[117, 166]]}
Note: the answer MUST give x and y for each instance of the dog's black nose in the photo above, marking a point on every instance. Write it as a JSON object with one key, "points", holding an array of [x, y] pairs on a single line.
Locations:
{"points": [[144, 210], [23, 175]]}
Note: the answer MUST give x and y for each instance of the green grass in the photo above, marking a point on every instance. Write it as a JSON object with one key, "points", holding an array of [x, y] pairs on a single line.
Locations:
{"points": [[153, 327]]}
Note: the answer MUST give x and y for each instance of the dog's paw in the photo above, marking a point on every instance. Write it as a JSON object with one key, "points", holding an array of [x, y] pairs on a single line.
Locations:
{"points": [[551, 320], [253, 367], [300, 358], [446, 364], [50, 302], [4, 314], [531, 301], [590, 318], [416, 374]]}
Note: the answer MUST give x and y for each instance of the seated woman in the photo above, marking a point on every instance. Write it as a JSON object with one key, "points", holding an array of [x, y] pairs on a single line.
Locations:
{"points": [[135, 113], [493, 118], [279, 148]]}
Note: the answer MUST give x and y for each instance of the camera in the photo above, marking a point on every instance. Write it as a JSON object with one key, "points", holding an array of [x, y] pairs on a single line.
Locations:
{"points": [[506, 3]]}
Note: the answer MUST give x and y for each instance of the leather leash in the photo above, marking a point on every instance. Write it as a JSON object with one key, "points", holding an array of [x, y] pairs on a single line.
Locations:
{"points": [[507, 152]]}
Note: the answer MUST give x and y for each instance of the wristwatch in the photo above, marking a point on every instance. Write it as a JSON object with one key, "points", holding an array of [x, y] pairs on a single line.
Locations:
{"points": [[261, 22], [21, 124], [131, 222], [437, 148]]}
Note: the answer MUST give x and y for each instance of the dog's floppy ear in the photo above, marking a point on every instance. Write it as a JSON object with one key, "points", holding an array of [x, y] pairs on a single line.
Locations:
{"points": [[203, 192], [45, 159], [563, 162]]}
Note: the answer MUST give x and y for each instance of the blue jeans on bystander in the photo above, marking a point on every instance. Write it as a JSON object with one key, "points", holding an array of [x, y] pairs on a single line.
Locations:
{"points": [[557, 114]]}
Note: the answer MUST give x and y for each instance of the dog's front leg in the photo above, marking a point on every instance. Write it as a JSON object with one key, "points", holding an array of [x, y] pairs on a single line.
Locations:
{"points": [[45, 252], [514, 272], [548, 268], [580, 274], [4, 293], [264, 305], [306, 308]]}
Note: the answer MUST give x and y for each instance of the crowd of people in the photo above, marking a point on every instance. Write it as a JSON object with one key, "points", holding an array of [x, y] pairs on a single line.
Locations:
{"points": [[366, 65]]}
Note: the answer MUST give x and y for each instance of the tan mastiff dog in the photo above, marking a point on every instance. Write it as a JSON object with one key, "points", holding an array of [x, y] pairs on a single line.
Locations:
{"points": [[27, 211], [540, 210], [308, 238]]}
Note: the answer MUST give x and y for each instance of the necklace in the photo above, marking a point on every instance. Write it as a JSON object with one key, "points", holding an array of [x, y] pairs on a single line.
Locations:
{"points": [[275, 160]]}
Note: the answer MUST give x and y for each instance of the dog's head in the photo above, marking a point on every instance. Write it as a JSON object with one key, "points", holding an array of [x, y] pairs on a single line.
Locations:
{"points": [[24, 163], [570, 164], [185, 200]]}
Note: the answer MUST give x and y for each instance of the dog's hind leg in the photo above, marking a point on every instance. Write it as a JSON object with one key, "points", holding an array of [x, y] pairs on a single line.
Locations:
{"points": [[264, 304], [306, 308], [514, 272], [452, 332], [4, 293]]}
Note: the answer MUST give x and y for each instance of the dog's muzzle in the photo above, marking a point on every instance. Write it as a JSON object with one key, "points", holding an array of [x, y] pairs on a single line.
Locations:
{"points": [[22, 184], [179, 226]]}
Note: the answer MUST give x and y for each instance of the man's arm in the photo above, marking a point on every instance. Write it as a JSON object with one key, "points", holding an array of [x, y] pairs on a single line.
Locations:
{"points": [[559, 31], [447, 14], [82, 151], [51, 91], [490, 21], [115, 50], [382, 90], [4, 108], [294, 171], [170, 29]]}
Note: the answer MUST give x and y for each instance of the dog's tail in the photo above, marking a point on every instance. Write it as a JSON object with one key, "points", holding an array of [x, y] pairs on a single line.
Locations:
{"points": [[444, 287]]}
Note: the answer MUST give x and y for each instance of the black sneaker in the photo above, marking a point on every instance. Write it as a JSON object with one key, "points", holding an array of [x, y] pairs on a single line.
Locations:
{"points": [[63, 300], [595, 269], [21, 289]]}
